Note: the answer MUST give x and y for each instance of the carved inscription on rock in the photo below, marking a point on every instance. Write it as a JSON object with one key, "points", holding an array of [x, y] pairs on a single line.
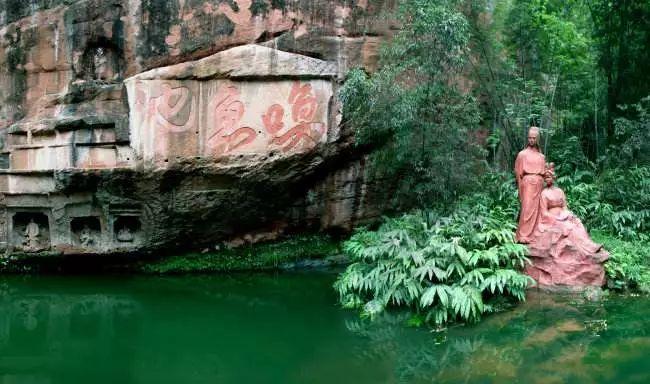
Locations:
{"points": [[305, 132], [224, 115], [174, 107], [175, 120], [164, 119]]}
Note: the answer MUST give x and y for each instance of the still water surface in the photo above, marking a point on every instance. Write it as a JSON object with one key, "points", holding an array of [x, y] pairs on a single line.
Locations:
{"points": [[287, 328]]}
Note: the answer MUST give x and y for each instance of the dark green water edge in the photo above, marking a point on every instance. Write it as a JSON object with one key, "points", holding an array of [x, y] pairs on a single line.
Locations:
{"points": [[295, 252], [286, 327]]}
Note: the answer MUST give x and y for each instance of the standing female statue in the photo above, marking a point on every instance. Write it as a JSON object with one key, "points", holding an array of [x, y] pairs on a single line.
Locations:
{"points": [[529, 172]]}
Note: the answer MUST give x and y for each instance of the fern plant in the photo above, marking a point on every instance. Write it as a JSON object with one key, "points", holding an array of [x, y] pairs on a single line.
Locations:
{"points": [[448, 269], [628, 267]]}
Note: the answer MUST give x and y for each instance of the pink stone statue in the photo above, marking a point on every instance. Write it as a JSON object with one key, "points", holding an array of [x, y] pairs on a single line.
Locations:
{"points": [[554, 213], [529, 171], [561, 251]]}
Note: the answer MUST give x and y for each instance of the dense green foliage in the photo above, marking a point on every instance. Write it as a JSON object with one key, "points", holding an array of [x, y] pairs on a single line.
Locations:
{"points": [[621, 32], [411, 110], [629, 263], [248, 257], [616, 201], [562, 65], [534, 63], [461, 82], [633, 136], [456, 91], [443, 268]]}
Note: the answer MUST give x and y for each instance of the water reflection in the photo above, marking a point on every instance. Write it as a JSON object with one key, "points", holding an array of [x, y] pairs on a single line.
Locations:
{"points": [[288, 328], [201, 329], [549, 339], [45, 337]]}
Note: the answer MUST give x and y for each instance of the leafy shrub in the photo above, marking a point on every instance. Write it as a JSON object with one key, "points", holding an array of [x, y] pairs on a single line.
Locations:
{"points": [[616, 201], [629, 264], [411, 112], [444, 268], [633, 135], [567, 154]]}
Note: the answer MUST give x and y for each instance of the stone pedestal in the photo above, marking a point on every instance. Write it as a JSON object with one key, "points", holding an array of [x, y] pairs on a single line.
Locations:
{"points": [[559, 259]]}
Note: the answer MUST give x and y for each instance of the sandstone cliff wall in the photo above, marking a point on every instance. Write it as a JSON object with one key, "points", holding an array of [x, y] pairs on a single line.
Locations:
{"points": [[135, 125]]}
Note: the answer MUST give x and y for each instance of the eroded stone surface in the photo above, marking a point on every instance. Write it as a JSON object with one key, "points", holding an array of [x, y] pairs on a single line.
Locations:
{"points": [[556, 260], [226, 126], [176, 120], [243, 62]]}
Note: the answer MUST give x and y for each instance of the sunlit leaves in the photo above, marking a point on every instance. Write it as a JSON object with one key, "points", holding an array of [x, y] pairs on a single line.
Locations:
{"points": [[440, 291]]}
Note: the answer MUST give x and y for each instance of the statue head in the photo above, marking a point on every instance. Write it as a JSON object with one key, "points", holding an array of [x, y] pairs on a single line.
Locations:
{"points": [[533, 137]]}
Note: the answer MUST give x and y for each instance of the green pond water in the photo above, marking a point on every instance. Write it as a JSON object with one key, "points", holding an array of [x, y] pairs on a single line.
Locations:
{"points": [[287, 328]]}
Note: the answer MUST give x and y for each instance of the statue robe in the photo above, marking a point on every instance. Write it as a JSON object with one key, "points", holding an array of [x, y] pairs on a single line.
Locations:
{"points": [[568, 224], [562, 253], [529, 171], [31, 236]]}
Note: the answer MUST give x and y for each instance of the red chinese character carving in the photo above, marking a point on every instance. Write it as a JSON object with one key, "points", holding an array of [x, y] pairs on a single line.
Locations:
{"points": [[226, 113], [174, 107], [303, 101], [272, 119], [240, 138], [303, 131], [303, 108]]}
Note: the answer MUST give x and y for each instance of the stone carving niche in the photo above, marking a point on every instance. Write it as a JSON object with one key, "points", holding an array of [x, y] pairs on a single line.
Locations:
{"points": [[31, 231], [127, 230], [101, 61], [86, 231]]}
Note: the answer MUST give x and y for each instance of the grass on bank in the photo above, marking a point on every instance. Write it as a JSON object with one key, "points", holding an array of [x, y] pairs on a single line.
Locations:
{"points": [[248, 257]]}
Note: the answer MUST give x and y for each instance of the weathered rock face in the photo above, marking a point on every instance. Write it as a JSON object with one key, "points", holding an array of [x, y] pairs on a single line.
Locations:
{"points": [[204, 109], [142, 124]]}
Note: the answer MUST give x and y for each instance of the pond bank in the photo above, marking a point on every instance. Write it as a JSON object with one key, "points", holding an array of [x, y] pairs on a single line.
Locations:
{"points": [[296, 252]]}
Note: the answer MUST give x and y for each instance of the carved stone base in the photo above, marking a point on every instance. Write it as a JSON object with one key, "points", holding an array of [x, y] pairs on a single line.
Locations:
{"points": [[560, 259]]}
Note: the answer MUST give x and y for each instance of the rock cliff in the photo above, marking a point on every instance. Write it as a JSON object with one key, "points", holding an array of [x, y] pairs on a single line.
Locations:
{"points": [[141, 125]]}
